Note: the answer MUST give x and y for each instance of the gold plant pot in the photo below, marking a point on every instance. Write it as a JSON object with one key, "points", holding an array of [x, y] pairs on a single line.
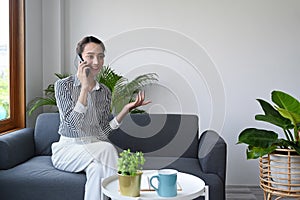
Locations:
{"points": [[130, 185]]}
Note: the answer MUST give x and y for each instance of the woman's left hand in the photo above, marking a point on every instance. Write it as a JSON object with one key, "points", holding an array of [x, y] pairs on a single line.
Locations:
{"points": [[139, 101]]}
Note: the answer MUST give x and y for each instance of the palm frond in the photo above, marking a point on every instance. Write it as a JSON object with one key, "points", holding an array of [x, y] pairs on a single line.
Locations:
{"points": [[49, 91], [108, 77], [40, 101], [49, 100], [124, 90], [125, 87], [61, 76]]}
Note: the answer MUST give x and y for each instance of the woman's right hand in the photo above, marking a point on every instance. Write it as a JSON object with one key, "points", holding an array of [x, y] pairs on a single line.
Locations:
{"points": [[86, 81]]}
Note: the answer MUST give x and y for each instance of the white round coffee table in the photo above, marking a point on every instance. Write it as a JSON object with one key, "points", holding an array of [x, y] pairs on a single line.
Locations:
{"points": [[189, 187]]}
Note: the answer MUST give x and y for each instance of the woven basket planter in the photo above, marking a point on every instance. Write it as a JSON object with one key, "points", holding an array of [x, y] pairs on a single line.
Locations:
{"points": [[280, 174]]}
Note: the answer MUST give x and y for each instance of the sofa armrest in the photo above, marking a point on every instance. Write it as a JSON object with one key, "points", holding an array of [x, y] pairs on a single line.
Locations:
{"points": [[212, 154], [16, 147]]}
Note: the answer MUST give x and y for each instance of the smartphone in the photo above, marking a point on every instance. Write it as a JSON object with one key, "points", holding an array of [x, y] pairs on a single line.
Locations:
{"points": [[87, 71]]}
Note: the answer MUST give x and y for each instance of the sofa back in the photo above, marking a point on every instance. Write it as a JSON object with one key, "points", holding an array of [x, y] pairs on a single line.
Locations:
{"points": [[162, 135], [172, 135], [46, 132]]}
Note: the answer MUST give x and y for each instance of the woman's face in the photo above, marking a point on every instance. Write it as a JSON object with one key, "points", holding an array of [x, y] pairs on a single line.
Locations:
{"points": [[94, 55]]}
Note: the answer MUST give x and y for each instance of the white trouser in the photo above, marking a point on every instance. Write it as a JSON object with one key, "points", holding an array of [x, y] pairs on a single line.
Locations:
{"points": [[97, 158]]}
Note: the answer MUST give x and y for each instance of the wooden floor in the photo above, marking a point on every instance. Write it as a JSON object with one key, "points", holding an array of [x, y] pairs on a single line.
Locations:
{"points": [[244, 193], [249, 193]]}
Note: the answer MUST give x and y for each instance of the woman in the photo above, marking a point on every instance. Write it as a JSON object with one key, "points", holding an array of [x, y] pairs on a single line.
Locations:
{"points": [[84, 107]]}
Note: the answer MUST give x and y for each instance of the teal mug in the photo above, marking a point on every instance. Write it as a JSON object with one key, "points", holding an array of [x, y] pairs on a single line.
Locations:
{"points": [[167, 182]]}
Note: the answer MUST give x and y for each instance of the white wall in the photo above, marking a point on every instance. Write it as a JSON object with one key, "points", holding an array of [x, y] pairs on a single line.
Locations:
{"points": [[214, 58], [34, 58]]}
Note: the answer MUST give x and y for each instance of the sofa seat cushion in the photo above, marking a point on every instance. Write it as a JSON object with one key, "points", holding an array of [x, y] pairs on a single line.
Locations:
{"points": [[190, 166], [37, 179]]}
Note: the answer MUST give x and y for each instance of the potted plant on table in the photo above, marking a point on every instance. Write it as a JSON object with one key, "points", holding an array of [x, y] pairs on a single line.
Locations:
{"points": [[129, 172], [279, 168]]}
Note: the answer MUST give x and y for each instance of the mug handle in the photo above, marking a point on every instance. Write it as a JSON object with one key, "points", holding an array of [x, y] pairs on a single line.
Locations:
{"points": [[151, 182]]}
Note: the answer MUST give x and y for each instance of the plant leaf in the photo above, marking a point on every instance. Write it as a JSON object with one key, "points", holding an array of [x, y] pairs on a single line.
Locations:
{"points": [[289, 144], [273, 116], [129, 163], [39, 101], [108, 77], [278, 121], [288, 107], [61, 76], [256, 152], [296, 147], [268, 108], [294, 117], [258, 137], [124, 90], [49, 91], [286, 102]]}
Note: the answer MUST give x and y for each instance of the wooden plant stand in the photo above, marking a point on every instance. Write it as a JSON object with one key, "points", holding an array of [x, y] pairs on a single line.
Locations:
{"points": [[280, 174]]}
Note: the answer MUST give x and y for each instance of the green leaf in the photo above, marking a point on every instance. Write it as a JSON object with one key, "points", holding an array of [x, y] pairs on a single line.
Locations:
{"points": [[273, 116], [294, 117], [268, 108], [125, 91], [286, 101], [278, 121], [289, 144], [39, 101], [49, 100], [61, 76], [49, 91], [288, 107], [129, 163], [258, 137], [296, 147], [108, 77], [256, 152]]}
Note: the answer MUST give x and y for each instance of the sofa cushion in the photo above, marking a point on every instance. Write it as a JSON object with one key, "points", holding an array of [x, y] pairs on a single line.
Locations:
{"points": [[46, 132], [37, 179]]}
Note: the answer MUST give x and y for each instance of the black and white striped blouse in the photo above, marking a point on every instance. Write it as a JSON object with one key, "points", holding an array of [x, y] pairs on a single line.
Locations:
{"points": [[77, 120]]}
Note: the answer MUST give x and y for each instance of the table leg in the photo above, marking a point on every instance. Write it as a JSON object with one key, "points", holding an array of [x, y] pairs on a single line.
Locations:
{"points": [[102, 195], [206, 193]]}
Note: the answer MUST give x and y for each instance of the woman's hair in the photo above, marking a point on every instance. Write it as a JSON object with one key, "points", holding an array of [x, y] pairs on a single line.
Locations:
{"points": [[81, 44]]}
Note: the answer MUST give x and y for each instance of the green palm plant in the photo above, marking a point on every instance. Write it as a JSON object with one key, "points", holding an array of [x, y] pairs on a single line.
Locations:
{"points": [[108, 77], [122, 90], [48, 100], [125, 91]]}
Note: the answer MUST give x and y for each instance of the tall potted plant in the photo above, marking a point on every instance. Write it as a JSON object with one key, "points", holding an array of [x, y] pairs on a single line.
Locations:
{"points": [[130, 165], [279, 168], [284, 114], [123, 91]]}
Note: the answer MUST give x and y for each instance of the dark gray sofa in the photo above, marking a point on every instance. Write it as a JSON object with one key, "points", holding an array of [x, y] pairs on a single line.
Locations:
{"points": [[168, 141]]}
